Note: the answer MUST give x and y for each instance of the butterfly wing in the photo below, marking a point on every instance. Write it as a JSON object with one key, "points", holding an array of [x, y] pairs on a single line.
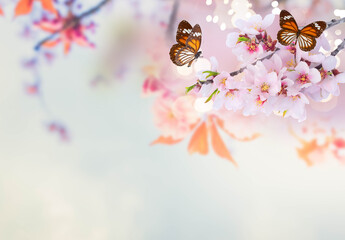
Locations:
{"points": [[194, 40], [306, 39], [289, 30], [174, 50], [287, 21], [183, 31], [286, 37], [184, 55]]}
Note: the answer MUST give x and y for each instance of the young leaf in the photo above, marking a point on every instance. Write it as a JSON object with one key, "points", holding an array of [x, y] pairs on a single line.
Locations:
{"points": [[211, 73], [243, 39], [190, 88], [210, 97]]}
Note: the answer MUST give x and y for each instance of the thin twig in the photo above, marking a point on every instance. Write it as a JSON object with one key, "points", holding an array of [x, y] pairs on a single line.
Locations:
{"points": [[72, 22], [172, 18]]}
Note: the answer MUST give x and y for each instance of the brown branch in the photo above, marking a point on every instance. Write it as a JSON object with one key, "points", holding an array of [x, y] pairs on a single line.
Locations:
{"points": [[74, 21]]}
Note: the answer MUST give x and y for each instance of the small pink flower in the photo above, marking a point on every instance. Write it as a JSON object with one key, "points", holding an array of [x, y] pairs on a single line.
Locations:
{"points": [[221, 80], [175, 116], [255, 24], [296, 107], [231, 97], [304, 76], [254, 104], [151, 86], [247, 52]]}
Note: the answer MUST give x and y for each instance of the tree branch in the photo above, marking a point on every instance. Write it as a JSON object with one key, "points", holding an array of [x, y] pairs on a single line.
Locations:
{"points": [[72, 22], [330, 24]]}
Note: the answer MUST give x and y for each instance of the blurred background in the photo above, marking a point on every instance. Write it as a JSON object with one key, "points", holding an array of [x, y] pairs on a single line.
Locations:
{"points": [[76, 128]]}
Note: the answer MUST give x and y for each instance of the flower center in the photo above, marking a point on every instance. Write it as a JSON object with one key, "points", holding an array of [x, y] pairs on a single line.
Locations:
{"points": [[265, 87], [283, 90], [222, 81], [295, 97], [303, 78], [171, 115], [231, 93], [252, 46], [259, 102]]}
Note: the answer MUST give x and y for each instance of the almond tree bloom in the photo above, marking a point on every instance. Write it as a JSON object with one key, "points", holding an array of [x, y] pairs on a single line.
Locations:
{"points": [[232, 97], [329, 83], [248, 51], [255, 24], [74, 33], [304, 76], [151, 86], [221, 80], [254, 104], [296, 107], [264, 84], [175, 117], [275, 64]]}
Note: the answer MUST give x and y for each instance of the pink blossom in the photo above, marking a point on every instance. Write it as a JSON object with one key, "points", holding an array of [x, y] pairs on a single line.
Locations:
{"points": [[254, 104], [232, 97], [247, 52], [175, 116], [329, 83], [221, 80], [296, 107], [304, 76], [151, 86], [255, 24]]}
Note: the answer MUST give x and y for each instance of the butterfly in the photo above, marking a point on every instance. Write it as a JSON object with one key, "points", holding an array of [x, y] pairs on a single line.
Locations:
{"points": [[306, 37], [188, 39]]}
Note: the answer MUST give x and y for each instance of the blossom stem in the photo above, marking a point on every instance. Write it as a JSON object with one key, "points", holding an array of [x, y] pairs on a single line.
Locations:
{"points": [[72, 22]]}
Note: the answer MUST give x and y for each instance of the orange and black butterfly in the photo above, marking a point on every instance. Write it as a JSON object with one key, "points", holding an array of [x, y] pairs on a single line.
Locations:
{"points": [[188, 40], [306, 37]]}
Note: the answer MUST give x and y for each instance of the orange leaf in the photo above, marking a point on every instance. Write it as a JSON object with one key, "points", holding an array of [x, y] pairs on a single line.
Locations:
{"points": [[198, 142], [52, 43], [166, 140], [218, 144], [23, 7], [49, 6], [67, 47]]}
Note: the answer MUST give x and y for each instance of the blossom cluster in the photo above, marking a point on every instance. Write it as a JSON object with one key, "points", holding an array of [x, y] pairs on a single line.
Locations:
{"points": [[274, 78]]}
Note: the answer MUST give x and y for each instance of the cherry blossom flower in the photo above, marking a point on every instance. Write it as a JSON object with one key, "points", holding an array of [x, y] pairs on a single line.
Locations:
{"points": [[248, 51], [255, 24], [329, 83], [151, 86], [175, 116], [232, 96], [254, 105], [73, 33], [304, 76], [221, 80]]}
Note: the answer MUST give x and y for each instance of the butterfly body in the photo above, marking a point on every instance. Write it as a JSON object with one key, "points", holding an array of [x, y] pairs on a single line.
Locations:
{"points": [[188, 39], [305, 37]]}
